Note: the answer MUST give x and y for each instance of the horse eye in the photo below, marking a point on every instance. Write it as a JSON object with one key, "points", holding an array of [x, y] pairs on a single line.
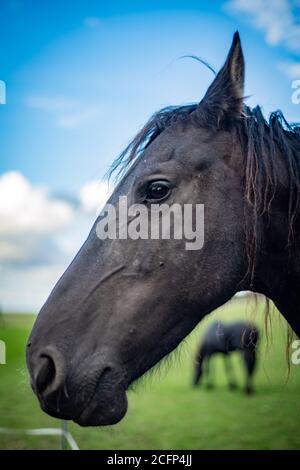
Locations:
{"points": [[157, 190]]}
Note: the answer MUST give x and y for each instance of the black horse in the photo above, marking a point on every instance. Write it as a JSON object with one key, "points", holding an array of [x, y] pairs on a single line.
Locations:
{"points": [[225, 338], [124, 303]]}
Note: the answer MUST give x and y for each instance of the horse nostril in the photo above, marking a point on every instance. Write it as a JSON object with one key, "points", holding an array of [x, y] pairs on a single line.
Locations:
{"points": [[46, 373], [50, 372]]}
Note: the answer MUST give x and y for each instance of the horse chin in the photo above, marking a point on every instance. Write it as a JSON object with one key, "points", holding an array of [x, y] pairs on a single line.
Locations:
{"points": [[104, 410]]}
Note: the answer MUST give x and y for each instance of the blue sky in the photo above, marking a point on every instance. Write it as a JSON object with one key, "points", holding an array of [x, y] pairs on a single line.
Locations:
{"points": [[82, 78]]}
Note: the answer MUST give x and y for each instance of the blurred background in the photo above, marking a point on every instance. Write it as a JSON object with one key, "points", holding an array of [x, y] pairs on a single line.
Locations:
{"points": [[81, 79]]}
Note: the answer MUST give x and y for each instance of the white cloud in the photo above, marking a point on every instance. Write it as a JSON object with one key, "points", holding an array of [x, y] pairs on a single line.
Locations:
{"points": [[50, 103], [290, 69], [94, 194], [67, 112], [29, 217], [92, 21], [24, 208], [77, 119], [39, 236], [278, 19], [26, 289]]}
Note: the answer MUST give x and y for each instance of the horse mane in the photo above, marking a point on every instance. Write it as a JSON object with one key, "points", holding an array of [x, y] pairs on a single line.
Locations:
{"points": [[263, 141], [158, 122]]}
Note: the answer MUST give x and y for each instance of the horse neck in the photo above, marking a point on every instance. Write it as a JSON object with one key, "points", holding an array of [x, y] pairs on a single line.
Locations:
{"points": [[278, 267]]}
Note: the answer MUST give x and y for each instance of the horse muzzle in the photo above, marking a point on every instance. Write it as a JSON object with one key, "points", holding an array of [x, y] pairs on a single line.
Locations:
{"points": [[93, 394]]}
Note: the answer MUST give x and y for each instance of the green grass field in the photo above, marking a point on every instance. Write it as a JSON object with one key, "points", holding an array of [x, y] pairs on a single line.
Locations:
{"points": [[165, 412]]}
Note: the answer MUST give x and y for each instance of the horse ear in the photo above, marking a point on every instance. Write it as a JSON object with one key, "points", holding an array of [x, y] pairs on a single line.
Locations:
{"points": [[224, 98]]}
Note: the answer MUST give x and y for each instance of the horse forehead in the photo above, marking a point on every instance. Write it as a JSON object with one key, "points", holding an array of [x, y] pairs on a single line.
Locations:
{"points": [[219, 140], [182, 140]]}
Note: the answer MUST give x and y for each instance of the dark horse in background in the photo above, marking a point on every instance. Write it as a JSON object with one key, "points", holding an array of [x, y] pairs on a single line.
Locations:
{"points": [[224, 338], [122, 305]]}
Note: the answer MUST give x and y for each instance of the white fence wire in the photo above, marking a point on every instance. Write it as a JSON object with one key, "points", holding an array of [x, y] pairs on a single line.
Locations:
{"points": [[66, 437]]}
